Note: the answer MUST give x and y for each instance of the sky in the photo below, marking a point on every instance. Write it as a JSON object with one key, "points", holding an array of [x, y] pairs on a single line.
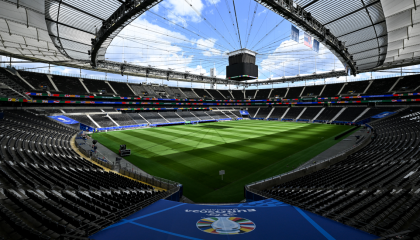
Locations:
{"points": [[196, 35]]}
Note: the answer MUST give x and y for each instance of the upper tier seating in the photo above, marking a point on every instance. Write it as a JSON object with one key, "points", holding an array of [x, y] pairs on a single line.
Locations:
{"points": [[263, 93], [80, 110], [278, 92], [123, 119], [380, 86], [137, 118], [331, 90], [103, 120], [226, 94], [202, 93], [170, 92], [13, 81], [294, 92], [215, 94], [37, 80], [278, 112], [153, 117], [249, 94], [252, 112], [69, 85], [407, 84], [355, 88], [189, 93], [122, 89], [139, 90], [312, 91], [49, 190], [150, 91], [374, 189], [238, 94]]}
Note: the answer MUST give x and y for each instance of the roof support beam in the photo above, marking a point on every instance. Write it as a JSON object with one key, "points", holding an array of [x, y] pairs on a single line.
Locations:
{"points": [[361, 29], [80, 10], [60, 23], [355, 11]]}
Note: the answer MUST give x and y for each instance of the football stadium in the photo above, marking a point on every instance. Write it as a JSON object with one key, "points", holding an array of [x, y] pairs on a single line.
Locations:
{"points": [[210, 119]]}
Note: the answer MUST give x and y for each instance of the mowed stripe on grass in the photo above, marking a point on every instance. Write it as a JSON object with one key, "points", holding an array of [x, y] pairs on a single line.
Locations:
{"points": [[193, 155]]}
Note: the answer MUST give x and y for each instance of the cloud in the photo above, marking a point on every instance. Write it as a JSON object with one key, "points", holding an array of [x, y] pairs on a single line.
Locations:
{"points": [[262, 12], [208, 46], [182, 12]]}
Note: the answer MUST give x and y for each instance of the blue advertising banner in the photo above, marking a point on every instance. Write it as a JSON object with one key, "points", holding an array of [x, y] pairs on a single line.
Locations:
{"points": [[64, 119], [295, 34], [244, 112], [265, 219], [316, 46], [384, 114]]}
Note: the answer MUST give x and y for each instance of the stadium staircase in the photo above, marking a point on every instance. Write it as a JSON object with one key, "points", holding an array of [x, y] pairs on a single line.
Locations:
{"points": [[128, 85], [256, 112], [209, 94], [368, 86], [91, 119], [361, 115], [144, 119], [269, 114], [320, 94], [270, 93], [338, 114], [209, 115], [52, 82], [195, 116], [221, 94], [112, 120], [303, 110], [284, 114], [192, 89], [395, 84], [116, 94], [313, 119], [83, 84], [180, 116], [163, 117], [344, 85]]}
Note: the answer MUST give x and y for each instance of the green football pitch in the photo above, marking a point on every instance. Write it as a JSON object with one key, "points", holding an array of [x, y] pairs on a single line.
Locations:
{"points": [[247, 150]]}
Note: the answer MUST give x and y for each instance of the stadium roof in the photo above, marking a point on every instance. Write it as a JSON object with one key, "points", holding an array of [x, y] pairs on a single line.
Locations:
{"points": [[377, 34]]}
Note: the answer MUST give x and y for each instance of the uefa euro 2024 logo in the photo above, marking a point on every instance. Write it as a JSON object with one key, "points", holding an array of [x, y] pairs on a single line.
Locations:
{"points": [[225, 225]]}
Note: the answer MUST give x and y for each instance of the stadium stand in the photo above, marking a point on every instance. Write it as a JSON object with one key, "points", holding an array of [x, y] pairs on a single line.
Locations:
{"points": [[202, 93], [153, 117], [188, 93], [68, 85], [82, 119], [226, 94], [312, 91], [202, 115], [331, 90], [278, 92], [350, 114], [149, 90], [215, 94], [103, 120], [263, 93], [407, 84], [249, 94], [13, 81], [278, 112], [355, 88], [80, 110], [310, 113], [263, 112], [370, 191], [171, 116], [329, 113], [137, 118], [37, 80], [178, 93], [123, 119], [213, 114], [294, 92], [238, 94], [122, 89], [187, 116], [139, 90], [293, 112], [170, 92], [381, 86]]}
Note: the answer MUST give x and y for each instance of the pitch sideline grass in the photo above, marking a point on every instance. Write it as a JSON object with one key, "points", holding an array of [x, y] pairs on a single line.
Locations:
{"points": [[247, 150]]}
